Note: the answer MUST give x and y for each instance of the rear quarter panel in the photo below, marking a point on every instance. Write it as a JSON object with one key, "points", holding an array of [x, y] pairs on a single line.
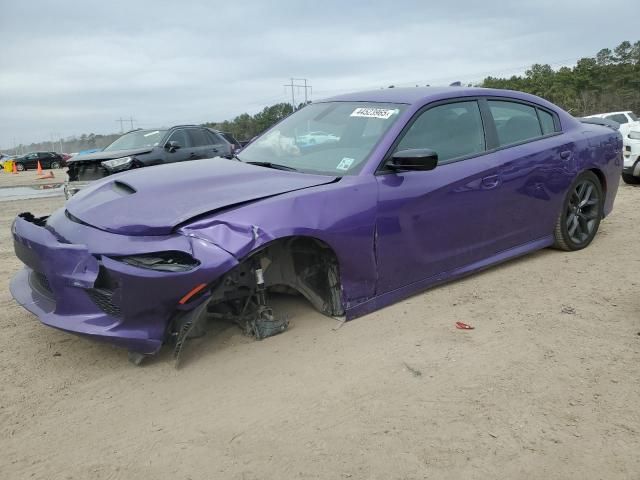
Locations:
{"points": [[600, 148]]}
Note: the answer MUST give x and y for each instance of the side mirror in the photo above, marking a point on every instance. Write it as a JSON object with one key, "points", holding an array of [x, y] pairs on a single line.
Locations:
{"points": [[172, 146], [420, 159]]}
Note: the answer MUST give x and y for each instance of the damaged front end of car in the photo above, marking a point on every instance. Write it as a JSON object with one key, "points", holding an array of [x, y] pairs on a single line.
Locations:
{"points": [[296, 265], [144, 292]]}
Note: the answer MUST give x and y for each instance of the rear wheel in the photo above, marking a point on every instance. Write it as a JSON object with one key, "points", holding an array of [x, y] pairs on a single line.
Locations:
{"points": [[630, 179], [55, 164], [20, 167], [581, 213]]}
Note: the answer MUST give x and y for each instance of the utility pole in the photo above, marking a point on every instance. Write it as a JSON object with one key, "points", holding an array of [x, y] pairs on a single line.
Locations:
{"points": [[121, 120], [131, 119], [307, 89]]}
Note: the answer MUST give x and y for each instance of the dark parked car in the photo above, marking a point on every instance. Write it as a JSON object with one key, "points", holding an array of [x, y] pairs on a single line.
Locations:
{"points": [[143, 148], [46, 159], [422, 186]]}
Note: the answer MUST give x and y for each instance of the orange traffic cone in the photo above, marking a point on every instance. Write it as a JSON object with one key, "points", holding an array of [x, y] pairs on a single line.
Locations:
{"points": [[39, 169], [47, 176], [15, 169]]}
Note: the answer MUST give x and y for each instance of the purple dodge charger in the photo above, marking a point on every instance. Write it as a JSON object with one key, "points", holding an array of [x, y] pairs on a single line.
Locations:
{"points": [[419, 186]]}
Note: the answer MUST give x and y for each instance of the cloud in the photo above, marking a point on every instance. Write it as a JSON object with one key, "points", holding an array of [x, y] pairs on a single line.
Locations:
{"points": [[75, 67]]}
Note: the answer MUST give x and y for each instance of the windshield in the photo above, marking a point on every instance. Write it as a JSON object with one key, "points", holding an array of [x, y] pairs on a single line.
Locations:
{"points": [[137, 139], [332, 138], [633, 116]]}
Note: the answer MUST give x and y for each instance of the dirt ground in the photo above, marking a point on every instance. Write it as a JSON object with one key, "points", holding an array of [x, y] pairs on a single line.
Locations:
{"points": [[547, 386], [31, 178]]}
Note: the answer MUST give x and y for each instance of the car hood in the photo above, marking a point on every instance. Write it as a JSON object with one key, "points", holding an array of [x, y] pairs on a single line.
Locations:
{"points": [[108, 155], [155, 200]]}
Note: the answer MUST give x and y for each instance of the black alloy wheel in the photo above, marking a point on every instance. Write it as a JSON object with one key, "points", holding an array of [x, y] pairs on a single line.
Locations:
{"points": [[582, 211]]}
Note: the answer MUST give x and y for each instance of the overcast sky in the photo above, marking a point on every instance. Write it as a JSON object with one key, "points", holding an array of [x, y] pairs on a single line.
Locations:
{"points": [[73, 67]]}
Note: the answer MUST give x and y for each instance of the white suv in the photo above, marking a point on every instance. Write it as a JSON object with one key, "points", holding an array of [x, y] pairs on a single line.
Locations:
{"points": [[630, 130]]}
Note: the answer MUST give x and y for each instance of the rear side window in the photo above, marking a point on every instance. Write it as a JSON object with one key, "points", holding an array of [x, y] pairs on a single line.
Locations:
{"points": [[546, 120], [215, 138], [199, 138], [515, 122], [452, 130], [618, 117], [229, 138]]}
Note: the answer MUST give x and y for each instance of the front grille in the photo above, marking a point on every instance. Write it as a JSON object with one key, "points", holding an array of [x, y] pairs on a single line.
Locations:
{"points": [[86, 171], [104, 300]]}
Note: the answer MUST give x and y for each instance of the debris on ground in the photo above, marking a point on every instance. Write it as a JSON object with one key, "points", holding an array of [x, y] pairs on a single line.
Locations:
{"points": [[463, 326], [414, 371]]}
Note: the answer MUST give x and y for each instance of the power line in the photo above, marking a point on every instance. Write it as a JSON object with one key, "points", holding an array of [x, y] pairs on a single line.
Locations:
{"points": [[307, 90], [122, 120]]}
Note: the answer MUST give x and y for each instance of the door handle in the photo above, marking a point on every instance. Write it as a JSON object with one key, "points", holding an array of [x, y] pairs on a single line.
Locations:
{"points": [[566, 154], [492, 181]]}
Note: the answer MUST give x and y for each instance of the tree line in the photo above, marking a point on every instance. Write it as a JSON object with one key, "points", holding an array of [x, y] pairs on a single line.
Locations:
{"points": [[607, 82], [243, 127]]}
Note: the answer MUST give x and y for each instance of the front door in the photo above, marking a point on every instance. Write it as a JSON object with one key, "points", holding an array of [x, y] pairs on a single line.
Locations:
{"points": [[186, 150], [436, 221]]}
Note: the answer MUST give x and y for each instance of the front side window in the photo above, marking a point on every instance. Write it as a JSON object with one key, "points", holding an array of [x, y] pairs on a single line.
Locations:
{"points": [[633, 116], [137, 139], [181, 137], [333, 138], [452, 130], [515, 122]]}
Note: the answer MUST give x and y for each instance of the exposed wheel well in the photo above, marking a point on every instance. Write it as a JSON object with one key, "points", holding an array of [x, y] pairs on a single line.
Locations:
{"points": [[601, 177], [304, 264]]}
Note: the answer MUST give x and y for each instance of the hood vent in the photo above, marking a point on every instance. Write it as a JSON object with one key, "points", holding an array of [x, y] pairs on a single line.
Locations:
{"points": [[123, 188]]}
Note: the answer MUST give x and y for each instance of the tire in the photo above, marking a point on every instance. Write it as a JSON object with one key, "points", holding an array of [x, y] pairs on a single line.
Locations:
{"points": [[581, 213], [630, 179], [20, 167], [54, 164]]}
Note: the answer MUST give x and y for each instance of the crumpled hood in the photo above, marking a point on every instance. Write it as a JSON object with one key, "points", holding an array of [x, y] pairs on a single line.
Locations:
{"points": [[101, 156], [153, 201]]}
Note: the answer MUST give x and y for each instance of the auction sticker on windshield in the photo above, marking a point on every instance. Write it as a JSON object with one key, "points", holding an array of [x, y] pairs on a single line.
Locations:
{"points": [[383, 113]]}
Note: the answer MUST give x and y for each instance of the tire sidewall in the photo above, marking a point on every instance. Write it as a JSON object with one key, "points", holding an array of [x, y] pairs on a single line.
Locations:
{"points": [[20, 167], [590, 176], [54, 164]]}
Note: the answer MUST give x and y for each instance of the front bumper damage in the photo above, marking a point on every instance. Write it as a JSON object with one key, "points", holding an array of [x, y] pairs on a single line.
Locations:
{"points": [[80, 288]]}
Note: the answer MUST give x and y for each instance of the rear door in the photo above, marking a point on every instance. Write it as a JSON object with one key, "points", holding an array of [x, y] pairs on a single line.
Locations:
{"points": [[221, 146], [46, 158], [533, 165], [203, 143]]}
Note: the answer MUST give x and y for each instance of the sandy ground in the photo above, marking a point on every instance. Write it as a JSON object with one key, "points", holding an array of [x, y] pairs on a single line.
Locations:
{"points": [[31, 178], [531, 393]]}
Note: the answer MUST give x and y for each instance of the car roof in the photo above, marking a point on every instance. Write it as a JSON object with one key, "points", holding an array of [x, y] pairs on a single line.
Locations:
{"points": [[423, 95], [609, 113]]}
